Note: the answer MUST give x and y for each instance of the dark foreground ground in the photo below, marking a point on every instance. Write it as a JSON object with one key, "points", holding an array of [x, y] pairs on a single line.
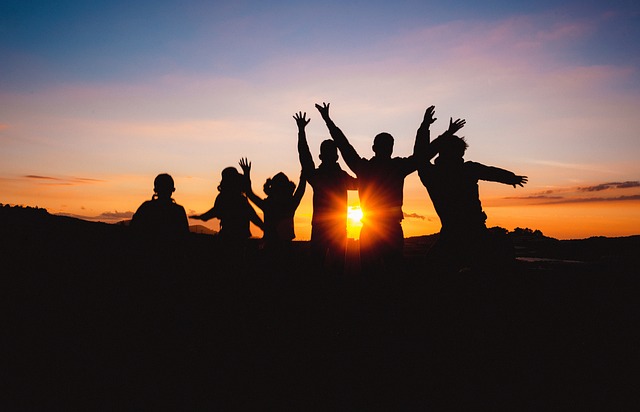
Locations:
{"points": [[95, 319]]}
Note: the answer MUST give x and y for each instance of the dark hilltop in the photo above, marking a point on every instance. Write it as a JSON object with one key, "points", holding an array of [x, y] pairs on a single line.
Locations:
{"points": [[99, 319]]}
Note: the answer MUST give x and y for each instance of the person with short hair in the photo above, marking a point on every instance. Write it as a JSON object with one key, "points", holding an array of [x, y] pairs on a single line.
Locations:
{"points": [[161, 215]]}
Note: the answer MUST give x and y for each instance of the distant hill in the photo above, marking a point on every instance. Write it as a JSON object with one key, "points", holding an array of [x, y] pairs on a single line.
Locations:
{"points": [[528, 243], [201, 229]]}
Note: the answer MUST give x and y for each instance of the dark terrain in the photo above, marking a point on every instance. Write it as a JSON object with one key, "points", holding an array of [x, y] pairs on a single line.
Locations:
{"points": [[99, 319]]}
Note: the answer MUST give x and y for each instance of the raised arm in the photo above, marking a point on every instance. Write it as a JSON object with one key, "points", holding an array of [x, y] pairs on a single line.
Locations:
{"points": [[423, 135], [254, 218], [306, 160], [246, 171], [434, 146], [349, 154], [297, 195]]}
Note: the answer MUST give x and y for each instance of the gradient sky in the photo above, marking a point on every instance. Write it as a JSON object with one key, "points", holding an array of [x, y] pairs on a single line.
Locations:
{"points": [[98, 97]]}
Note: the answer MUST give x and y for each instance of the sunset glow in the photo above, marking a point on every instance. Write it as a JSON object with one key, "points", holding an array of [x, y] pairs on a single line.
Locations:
{"points": [[354, 222], [96, 100]]}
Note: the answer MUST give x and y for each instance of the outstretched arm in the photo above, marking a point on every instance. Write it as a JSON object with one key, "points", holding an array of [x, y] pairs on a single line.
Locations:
{"points": [[211, 213], [306, 160], [349, 154], [246, 171], [495, 174]]}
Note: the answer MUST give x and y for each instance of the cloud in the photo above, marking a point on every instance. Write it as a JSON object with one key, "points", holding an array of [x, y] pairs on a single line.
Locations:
{"points": [[57, 181], [414, 216], [557, 200], [597, 199], [574, 195], [612, 185], [535, 197]]}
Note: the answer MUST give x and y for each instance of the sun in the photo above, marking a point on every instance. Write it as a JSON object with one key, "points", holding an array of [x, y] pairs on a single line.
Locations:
{"points": [[354, 222], [354, 214]]}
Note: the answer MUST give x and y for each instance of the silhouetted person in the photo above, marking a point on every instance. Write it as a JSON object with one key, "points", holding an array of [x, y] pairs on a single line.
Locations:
{"points": [[279, 206], [161, 216], [330, 185], [232, 208], [452, 184], [380, 188]]}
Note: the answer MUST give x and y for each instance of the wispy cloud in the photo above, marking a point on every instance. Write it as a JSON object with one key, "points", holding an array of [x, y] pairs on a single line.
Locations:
{"points": [[414, 216], [596, 199], [59, 181], [612, 185], [576, 194], [535, 197]]}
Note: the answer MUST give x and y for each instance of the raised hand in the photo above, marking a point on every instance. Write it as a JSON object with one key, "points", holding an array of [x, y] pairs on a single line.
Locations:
{"points": [[520, 181], [246, 167], [455, 126], [324, 110], [301, 119], [428, 116]]}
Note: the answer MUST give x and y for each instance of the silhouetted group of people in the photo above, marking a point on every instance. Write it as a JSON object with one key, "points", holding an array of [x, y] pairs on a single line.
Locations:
{"points": [[451, 183]]}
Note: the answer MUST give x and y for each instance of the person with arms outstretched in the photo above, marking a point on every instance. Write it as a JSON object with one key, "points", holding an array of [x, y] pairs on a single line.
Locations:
{"points": [[232, 208], [452, 183], [330, 185], [380, 188]]}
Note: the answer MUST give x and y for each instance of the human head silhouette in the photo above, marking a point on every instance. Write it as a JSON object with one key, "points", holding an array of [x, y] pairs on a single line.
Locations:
{"points": [[328, 151], [163, 186], [279, 185], [453, 147], [383, 145], [231, 180]]}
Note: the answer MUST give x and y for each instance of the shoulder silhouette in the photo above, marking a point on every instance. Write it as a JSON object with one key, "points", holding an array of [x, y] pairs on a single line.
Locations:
{"points": [[161, 215]]}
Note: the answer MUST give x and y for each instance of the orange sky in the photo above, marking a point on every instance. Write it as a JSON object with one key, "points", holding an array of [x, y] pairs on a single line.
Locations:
{"points": [[564, 213]]}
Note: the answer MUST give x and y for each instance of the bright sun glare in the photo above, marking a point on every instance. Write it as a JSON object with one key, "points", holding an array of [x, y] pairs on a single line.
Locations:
{"points": [[354, 214]]}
